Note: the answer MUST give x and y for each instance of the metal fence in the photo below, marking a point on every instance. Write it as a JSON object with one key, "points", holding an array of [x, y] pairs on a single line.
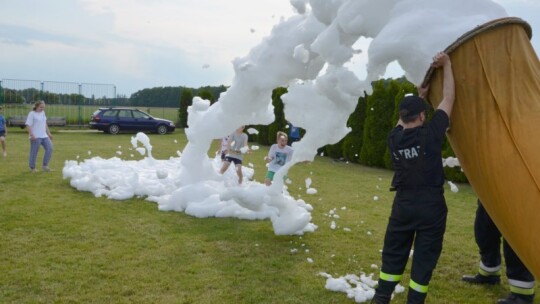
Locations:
{"points": [[73, 101]]}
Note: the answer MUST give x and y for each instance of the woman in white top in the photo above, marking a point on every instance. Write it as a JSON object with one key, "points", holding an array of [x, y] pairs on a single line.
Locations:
{"points": [[38, 131]]}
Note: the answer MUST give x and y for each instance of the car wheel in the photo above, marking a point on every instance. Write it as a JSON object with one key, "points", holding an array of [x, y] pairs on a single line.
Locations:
{"points": [[162, 129], [114, 129]]}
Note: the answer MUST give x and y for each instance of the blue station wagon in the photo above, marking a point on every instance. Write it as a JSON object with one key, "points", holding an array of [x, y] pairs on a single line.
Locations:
{"points": [[115, 120]]}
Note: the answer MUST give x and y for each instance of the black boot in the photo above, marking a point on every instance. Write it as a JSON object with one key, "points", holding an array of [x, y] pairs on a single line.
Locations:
{"points": [[516, 299], [383, 292], [415, 297], [481, 279], [380, 299]]}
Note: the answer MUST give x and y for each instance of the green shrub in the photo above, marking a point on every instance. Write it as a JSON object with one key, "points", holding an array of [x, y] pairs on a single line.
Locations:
{"points": [[380, 108], [352, 143]]}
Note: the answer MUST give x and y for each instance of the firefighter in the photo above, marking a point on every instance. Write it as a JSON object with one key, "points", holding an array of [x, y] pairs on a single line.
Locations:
{"points": [[488, 239], [419, 209]]}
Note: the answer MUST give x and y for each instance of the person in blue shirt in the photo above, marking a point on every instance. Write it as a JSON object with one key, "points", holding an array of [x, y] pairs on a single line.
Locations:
{"points": [[3, 132], [294, 134]]}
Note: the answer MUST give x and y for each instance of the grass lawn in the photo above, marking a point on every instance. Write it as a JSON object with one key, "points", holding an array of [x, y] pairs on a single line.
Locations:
{"points": [[59, 245]]}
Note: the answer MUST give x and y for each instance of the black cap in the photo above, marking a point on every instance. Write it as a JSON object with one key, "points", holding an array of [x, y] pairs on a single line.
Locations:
{"points": [[411, 105]]}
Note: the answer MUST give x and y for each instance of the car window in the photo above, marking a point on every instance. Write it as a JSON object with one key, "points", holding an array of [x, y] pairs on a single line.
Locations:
{"points": [[139, 114], [110, 113], [125, 114]]}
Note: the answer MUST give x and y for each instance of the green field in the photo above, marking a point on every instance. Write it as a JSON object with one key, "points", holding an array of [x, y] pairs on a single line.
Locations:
{"points": [[59, 245], [80, 115]]}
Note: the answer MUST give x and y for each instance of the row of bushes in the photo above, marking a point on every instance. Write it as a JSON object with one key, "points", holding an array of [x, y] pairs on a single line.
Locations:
{"points": [[375, 115]]}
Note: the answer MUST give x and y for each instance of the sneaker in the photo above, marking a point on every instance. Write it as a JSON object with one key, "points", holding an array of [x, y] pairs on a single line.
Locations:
{"points": [[5, 154], [514, 299], [481, 279], [46, 169], [33, 170]]}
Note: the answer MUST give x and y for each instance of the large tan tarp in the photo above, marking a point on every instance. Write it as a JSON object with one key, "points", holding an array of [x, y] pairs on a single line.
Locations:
{"points": [[495, 127]]}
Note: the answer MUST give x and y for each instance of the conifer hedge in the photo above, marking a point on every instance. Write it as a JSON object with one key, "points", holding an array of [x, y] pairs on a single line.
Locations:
{"points": [[267, 134], [380, 108], [352, 143], [186, 99]]}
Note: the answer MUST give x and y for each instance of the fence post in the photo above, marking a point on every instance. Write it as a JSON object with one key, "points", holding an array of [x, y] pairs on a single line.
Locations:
{"points": [[1, 93], [80, 106]]}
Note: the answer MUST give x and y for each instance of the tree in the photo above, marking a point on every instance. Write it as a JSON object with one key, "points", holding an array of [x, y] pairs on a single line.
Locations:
{"points": [[11, 96], [352, 143], [186, 99], [336, 150], [206, 94], [157, 97], [380, 108], [267, 133], [214, 91], [31, 94], [406, 88]]}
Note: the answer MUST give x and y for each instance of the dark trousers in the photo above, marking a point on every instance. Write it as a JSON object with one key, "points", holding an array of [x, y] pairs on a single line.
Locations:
{"points": [[418, 217], [488, 238]]}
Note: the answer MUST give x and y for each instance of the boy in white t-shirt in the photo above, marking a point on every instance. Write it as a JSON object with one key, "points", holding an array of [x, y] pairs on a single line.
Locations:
{"points": [[280, 153]]}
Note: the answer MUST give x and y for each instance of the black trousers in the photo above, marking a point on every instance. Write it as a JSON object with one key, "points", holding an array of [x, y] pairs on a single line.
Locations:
{"points": [[418, 217], [488, 238]]}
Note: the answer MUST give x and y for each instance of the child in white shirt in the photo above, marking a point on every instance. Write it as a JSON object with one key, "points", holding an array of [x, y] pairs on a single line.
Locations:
{"points": [[280, 153]]}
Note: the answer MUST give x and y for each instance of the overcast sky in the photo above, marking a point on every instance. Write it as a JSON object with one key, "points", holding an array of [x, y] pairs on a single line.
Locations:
{"points": [[137, 44]]}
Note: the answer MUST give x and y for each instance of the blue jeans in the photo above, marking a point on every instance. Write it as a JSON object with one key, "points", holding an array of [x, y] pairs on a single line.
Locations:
{"points": [[34, 148]]}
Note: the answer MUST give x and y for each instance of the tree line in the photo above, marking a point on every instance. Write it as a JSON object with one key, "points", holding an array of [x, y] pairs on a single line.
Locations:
{"points": [[172, 97], [152, 97], [31, 95]]}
